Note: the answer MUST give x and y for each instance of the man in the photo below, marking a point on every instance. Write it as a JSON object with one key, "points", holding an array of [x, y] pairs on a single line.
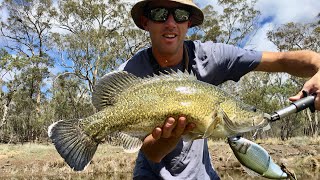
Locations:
{"points": [[163, 154]]}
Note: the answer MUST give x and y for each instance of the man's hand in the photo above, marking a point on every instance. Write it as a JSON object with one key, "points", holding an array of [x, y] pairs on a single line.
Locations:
{"points": [[164, 139], [311, 86]]}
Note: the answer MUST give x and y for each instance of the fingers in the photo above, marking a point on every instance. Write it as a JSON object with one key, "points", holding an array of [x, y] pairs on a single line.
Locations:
{"points": [[189, 127], [296, 97], [173, 128], [317, 102], [168, 127], [302, 94], [176, 129], [156, 133], [180, 127]]}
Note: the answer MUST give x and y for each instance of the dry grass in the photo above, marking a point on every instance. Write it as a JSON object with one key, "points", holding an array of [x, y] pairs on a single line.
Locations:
{"points": [[40, 161], [301, 155], [303, 140]]}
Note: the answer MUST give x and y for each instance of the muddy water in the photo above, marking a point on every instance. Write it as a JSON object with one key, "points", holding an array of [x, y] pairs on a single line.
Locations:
{"points": [[225, 175], [241, 174]]}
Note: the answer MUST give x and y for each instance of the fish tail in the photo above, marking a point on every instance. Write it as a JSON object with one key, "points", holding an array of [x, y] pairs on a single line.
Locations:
{"points": [[74, 146]]}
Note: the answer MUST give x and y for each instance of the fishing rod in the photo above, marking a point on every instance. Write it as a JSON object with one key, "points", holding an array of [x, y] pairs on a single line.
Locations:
{"points": [[306, 102]]}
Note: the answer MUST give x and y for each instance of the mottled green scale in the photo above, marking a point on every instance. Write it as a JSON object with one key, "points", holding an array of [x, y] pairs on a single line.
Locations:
{"points": [[142, 104], [130, 107]]}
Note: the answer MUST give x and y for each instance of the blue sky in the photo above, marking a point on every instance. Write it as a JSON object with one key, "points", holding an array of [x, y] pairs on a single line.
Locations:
{"points": [[277, 12], [274, 12]]}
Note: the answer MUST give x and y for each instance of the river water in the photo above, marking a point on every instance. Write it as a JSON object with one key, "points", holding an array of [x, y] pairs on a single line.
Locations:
{"points": [[225, 175]]}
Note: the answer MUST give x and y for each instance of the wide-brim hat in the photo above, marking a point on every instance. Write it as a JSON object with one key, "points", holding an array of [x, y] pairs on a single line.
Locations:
{"points": [[196, 13]]}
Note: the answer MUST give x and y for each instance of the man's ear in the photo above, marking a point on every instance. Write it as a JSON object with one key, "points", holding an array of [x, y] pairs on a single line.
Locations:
{"points": [[144, 23], [189, 23]]}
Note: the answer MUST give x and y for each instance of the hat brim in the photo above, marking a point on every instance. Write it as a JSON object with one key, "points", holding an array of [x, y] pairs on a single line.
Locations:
{"points": [[196, 13]]}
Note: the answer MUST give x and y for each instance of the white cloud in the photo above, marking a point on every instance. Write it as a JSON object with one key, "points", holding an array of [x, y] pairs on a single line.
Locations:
{"points": [[281, 12], [260, 41], [285, 11]]}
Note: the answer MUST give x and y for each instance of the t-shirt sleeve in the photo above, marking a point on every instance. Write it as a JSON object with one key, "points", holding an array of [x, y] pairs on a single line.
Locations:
{"points": [[217, 62]]}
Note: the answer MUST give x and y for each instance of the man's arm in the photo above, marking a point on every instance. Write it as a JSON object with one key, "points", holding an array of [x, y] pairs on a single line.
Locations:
{"points": [[297, 63]]}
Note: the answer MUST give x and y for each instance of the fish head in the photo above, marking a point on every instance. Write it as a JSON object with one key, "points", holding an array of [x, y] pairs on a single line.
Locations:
{"points": [[239, 117], [238, 144]]}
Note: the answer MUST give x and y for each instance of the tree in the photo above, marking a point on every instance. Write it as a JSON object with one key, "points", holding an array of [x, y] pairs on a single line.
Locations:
{"points": [[297, 36], [237, 23], [97, 39], [70, 99], [26, 31]]}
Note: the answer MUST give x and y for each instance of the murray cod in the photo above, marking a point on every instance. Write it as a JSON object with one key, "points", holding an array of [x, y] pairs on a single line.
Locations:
{"points": [[131, 107]]}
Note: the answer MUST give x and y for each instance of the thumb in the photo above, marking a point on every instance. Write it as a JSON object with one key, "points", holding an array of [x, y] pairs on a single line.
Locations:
{"points": [[296, 97]]}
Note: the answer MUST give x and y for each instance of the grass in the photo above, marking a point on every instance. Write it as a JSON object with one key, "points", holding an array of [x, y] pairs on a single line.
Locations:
{"points": [[41, 161], [302, 140]]}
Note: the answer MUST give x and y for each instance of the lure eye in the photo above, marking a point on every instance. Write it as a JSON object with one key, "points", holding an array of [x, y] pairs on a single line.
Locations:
{"points": [[254, 109]]}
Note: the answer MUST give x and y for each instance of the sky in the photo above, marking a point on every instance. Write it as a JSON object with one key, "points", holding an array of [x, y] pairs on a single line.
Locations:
{"points": [[275, 13]]}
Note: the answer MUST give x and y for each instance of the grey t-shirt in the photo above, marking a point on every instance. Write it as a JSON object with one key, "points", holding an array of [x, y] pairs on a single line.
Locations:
{"points": [[213, 63]]}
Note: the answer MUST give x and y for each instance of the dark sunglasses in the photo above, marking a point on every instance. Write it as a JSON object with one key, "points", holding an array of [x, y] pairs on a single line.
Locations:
{"points": [[162, 14]]}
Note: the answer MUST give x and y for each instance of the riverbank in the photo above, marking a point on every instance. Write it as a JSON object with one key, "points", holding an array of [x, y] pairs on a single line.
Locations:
{"points": [[41, 161]]}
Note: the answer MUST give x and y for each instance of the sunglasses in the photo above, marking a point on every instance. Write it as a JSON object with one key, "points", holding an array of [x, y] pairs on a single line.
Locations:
{"points": [[162, 14]]}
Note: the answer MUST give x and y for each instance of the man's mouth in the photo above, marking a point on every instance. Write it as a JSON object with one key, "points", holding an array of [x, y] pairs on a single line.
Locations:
{"points": [[170, 36]]}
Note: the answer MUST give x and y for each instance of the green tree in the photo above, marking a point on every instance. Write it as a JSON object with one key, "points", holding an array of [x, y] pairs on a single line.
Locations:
{"points": [[98, 37], [235, 25], [70, 99], [26, 31], [297, 36]]}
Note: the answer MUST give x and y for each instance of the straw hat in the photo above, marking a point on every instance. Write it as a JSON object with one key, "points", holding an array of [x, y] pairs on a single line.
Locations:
{"points": [[196, 13]]}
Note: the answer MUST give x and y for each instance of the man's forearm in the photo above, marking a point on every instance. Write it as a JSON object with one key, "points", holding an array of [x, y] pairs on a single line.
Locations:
{"points": [[298, 63]]}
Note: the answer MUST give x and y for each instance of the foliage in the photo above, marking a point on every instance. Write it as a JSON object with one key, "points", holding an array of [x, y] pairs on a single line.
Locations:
{"points": [[235, 25], [26, 30], [296, 36], [56, 51], [96, 38]]}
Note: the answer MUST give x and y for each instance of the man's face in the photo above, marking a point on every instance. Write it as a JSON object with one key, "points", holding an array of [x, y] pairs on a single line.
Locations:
{"points": [[166, 37]]}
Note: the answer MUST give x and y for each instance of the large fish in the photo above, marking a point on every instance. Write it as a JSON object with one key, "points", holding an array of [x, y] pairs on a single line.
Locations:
{"points": [[131, 106], [256, 158]]}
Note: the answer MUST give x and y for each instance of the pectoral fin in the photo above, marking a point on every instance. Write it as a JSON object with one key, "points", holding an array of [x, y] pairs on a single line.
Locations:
{"points": [[235, 129], [129, 143]]}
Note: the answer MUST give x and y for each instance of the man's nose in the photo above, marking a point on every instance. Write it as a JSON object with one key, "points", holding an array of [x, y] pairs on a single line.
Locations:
{"points": [[170, 20]]}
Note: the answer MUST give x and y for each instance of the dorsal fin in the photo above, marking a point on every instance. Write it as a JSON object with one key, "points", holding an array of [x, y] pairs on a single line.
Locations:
{"points": [[175, 75], [109, 86], [112, 84]]}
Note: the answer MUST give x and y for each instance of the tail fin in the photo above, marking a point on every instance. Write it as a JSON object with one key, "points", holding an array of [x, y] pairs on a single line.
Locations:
{"points": [[74, 146]]}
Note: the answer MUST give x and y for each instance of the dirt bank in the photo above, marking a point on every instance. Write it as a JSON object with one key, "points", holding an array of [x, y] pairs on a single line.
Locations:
{"points": [[39, 161], [299, 155]]}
